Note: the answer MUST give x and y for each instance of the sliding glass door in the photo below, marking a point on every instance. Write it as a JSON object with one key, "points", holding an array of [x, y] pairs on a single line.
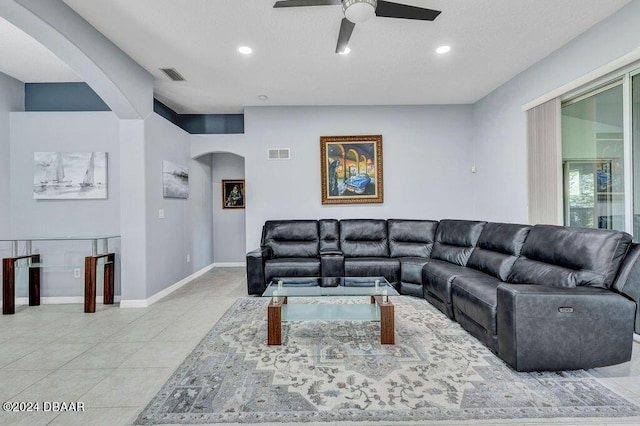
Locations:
{"points": [[593, 158], [635, 137]]}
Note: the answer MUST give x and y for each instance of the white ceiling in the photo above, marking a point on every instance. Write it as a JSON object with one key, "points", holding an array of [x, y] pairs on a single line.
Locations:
{"points": [[392, 61]]}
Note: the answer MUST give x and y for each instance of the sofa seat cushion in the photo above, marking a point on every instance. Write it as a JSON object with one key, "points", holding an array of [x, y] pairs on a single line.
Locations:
{"points": [[437, 276], [291, 267], [411, 269], [372, 267], [476, 296]]}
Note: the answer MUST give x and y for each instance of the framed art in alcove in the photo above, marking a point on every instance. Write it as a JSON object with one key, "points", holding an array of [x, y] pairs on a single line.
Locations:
{"points": [[351, 169], [233, 196]]}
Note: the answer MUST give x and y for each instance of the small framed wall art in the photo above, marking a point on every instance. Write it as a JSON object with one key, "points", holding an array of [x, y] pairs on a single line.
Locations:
{"points": [[233, 196], [175, 180], [351, 169]]}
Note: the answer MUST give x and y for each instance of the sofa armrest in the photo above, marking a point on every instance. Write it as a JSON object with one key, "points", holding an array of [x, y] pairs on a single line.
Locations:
{"points": [[628, 280], [255, 270], [553, 328]]}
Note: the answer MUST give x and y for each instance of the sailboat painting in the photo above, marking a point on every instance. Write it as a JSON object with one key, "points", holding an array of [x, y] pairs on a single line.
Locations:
{"points": [[69, 175]]}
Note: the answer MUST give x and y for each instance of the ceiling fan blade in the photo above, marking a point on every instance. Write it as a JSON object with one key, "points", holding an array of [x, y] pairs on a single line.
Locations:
{"points": [[394, 10], [298, 3], [346, 28]]}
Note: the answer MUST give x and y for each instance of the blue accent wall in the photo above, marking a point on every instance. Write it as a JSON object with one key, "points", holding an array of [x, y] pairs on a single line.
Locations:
{"points": [[80, 97], [201, 124], [62, 97]]}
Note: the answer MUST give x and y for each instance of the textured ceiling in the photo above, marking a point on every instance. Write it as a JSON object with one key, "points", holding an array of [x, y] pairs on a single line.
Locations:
{"points": [[392, 61]]}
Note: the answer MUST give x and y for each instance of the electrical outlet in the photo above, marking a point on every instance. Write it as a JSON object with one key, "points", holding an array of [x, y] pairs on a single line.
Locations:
{"points": [[188, 258], [76, 273], [161, 214]]}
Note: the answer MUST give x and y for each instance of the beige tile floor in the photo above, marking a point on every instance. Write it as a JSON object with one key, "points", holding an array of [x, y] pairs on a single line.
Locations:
{"points": [[115, 360]]}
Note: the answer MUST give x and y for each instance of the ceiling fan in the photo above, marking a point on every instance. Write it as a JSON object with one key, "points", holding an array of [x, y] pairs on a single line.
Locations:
{"points": [[356, 11]]}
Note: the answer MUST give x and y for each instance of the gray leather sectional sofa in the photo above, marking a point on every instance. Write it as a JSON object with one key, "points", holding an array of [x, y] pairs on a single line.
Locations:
{"points": [[541, 297]]}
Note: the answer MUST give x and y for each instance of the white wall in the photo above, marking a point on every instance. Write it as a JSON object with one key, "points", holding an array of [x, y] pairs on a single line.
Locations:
{"points": [[499, 130], [201, 212], [11, 99], [170, 240], [427, 154], [228, 224], [63, 131]]}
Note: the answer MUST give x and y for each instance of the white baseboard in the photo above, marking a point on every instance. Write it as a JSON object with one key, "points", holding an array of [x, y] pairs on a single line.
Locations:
{"points": [[54, 300], [229, 264], [143, 303]]}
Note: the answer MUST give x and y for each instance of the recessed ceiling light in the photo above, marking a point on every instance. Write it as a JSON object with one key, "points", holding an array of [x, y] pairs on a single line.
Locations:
{"points": [[263, 97], [245, 50], [443, 49], [345, 51]]}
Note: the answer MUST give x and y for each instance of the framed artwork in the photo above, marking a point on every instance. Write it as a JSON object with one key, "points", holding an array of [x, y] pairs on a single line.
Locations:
{"points": [[351, 169], [233, 196], [69, 175], [175, 180]]}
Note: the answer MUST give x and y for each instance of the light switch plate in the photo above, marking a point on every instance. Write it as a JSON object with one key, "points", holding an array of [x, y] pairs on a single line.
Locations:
{"points": [[161, 214]]}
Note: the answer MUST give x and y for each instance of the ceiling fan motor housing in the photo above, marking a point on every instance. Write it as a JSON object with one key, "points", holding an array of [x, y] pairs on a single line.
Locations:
{"points": [[359, 10]]}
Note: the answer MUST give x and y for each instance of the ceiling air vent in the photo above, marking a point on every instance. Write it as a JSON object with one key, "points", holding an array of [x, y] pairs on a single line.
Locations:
{"points": [[173, 74], [279, 153]]}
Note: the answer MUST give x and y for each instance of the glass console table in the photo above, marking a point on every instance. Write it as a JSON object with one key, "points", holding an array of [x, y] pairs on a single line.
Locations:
{"points": [[377, 289], [34, 263]]}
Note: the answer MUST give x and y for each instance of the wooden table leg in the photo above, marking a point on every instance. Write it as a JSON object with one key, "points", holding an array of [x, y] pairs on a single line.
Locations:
{"points": [[8, 287], [34, 282], [387, 323], [90, 264], [274, 323], [108, 281]]}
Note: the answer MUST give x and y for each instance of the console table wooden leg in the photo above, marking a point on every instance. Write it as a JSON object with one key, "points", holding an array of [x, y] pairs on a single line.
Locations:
{"points": [[108, 280], [8, 287], [274, 323], [90, 264], [387, 324], [34, 282]]}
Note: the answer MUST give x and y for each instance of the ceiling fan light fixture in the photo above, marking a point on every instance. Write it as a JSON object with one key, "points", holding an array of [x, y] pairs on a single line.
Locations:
{"points": [[358, 11], [345, 51]]}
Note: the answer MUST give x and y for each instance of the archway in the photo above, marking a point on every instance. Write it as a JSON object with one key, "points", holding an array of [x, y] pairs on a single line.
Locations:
{"points": [[228, 219]]}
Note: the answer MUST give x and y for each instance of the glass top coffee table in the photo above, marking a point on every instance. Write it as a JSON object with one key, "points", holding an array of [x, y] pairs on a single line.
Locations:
{"points": [[377, 289]]}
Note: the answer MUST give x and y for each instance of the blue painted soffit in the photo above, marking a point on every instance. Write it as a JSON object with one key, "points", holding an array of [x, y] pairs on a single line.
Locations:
{"points": [[80, 97], [202, 124], [62, 97]]}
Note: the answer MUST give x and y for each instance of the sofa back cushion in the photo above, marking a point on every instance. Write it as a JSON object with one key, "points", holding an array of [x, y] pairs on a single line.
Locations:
{"points": [[455, 240], [291, 238], [559, 256], [498, 248], [364, 238], [411, 238], [329, 234]]}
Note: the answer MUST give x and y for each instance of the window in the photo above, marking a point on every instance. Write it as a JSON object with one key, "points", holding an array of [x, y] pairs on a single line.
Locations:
{"points": [[593, 158]]}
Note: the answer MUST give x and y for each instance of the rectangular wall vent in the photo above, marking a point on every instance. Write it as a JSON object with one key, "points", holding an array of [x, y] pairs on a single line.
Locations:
{"points": [[279, 153], [173, 74]]}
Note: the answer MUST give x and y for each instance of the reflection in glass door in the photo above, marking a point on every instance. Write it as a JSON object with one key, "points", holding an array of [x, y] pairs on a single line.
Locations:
{"points": [[593, 159], [635, 112]]}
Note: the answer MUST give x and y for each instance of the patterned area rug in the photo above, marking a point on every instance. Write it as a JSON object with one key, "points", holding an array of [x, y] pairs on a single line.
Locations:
{"points": [[338, 371]]}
